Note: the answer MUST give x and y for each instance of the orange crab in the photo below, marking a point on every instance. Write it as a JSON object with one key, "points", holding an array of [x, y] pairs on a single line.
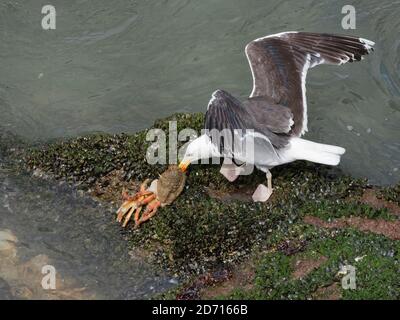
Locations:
{"points": [[162, 192]]}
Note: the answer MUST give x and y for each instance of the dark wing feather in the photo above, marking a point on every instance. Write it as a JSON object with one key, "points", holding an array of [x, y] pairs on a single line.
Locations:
{"points": [[279, 65], [226, 115], [267, 114]]}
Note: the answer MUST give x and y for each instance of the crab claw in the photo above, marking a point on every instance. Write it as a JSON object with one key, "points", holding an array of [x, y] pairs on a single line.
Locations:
{"points": [[143, 191], [131, 202], [129, 215], [146, 196], [128, 207], [151, 210]]}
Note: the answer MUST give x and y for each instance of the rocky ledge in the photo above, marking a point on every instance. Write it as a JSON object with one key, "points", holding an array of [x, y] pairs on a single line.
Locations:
{"points": [[296, 245]]}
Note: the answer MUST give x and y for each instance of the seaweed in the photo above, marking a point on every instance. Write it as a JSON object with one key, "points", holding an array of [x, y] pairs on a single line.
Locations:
{"points": [[203, 231]]}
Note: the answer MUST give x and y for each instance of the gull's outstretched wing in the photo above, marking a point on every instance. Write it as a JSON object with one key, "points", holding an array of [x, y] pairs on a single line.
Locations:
{"points": [[279, 65]]}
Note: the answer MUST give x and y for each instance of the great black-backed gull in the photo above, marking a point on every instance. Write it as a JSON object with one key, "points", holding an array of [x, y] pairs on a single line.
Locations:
{"points": [[274, 117]]}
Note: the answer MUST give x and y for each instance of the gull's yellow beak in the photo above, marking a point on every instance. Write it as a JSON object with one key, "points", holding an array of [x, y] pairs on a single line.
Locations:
{"points": [[183, 165]]}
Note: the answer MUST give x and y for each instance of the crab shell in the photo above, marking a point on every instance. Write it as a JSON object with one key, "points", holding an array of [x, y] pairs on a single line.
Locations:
{"points": [[170, 185]]}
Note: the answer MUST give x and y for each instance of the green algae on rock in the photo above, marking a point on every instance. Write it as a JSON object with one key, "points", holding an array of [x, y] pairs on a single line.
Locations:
{"points": [[85, 159], [391, 194], [375, 258], [199, 231]]}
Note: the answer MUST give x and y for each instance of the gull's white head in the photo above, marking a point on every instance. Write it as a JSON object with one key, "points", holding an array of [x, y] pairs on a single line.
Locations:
{"points": [[199, 148]]}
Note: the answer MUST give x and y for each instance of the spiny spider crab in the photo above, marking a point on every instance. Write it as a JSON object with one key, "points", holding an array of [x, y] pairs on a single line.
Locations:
{"points": [[162, 192]]}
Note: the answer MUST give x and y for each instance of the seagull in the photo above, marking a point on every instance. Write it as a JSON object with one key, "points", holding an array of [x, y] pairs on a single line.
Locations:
{"points": [[274, 117]]}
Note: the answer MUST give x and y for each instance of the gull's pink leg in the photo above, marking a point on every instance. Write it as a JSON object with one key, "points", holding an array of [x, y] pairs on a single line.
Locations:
{"points": [[230, 171], [262, 192]]}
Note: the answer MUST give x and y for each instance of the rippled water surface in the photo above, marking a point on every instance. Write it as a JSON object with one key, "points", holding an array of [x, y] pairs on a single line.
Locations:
{"points": [[119, 65], [44, 224]]}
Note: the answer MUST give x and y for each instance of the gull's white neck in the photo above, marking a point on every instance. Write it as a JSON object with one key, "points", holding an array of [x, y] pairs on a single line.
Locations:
{"points": [[202, 148]]}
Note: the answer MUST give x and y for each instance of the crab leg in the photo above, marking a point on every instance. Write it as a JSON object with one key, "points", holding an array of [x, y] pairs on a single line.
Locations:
{"points": [[138, 206], [125, 208], [145, 201], [137, 213], [128, 216], [132, 202], [150, 212], [142, 192]]}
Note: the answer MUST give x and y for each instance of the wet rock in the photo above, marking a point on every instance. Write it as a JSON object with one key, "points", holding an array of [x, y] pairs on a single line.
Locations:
{"points": [[192, 291], [390, 229], [302, 267], [212, 223], [293, 246], [7, 242], [5, 290], [242, 276], [371, 198], [391, 194], [331, 292]]}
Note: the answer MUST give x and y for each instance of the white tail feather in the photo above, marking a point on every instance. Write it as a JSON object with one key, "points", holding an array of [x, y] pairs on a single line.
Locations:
{"points": [[301, 149]]}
